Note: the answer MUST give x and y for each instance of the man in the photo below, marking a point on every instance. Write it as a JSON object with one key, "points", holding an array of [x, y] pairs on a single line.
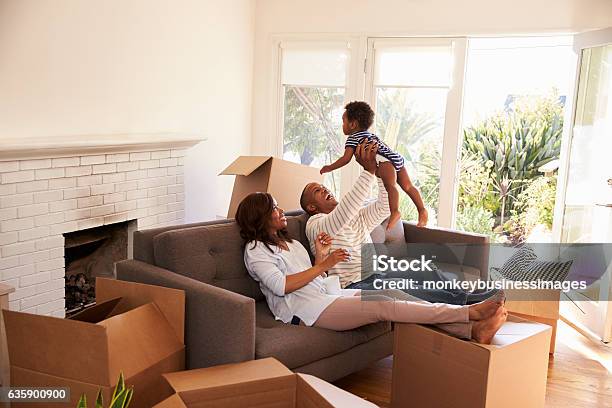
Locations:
{"points": [[349, 223]]}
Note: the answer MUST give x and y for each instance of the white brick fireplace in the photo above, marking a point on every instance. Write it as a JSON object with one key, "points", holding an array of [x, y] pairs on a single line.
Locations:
{"points": [[51, 188]]}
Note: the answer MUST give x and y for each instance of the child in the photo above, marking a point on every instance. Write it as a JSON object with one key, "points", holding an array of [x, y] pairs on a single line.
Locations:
{"points": [[356, 120]]}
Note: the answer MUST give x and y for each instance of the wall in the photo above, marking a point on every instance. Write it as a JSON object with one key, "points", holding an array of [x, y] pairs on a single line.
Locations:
{"points": [[75, 67], [405, 17]]}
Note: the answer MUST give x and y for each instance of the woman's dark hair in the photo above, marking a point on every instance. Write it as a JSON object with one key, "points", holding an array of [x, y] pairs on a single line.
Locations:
{"points": [[253, 216], [361, 112]]}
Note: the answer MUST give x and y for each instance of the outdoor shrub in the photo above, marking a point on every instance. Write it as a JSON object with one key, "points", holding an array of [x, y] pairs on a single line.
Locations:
{"points": [[475, 219]]}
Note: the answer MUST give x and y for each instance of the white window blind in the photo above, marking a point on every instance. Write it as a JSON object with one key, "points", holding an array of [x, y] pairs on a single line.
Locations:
{"points": [[413, 65], [315, 66]]}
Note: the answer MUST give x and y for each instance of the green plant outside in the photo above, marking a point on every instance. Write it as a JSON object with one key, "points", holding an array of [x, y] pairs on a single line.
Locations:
{"points": [[121, 398], [499, 167], [500, 157]]}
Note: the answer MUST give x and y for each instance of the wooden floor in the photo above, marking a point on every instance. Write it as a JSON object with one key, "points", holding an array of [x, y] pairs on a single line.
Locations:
{"points": [[579, 375]]}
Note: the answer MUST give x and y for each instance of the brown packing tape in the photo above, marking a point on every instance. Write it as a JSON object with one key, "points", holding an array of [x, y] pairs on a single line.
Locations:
{"points": [[171, 302], [26, 331]]}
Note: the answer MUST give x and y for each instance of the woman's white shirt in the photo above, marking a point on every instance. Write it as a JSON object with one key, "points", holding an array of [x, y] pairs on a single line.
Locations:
{"points": [[271, 267]]}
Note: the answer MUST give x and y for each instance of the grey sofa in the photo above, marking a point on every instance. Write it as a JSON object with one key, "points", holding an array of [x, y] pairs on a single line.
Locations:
{"points": [[227, 318]]}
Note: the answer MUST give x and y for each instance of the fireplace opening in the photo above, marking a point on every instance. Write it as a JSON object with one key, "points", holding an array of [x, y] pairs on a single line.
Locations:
{"points": [[88, 254]]}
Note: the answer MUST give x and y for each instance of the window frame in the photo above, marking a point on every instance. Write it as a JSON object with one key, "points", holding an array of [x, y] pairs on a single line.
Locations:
{"points": [[452, 137], [351, 88], [359, 86]]}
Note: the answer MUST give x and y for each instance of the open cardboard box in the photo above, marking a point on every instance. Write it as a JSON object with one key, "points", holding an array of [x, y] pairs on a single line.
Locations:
{"points": [[283, 179], [134, 328], [261, 383], [433, 369], [540, 305]]}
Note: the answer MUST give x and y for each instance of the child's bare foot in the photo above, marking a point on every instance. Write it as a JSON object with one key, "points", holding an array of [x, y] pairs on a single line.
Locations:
{"points": [[484, 310], [393, 218], [484, 330], [423, 217]]}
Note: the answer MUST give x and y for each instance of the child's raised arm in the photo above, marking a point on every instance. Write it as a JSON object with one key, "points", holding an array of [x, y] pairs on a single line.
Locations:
{"points": [[341, 162]]}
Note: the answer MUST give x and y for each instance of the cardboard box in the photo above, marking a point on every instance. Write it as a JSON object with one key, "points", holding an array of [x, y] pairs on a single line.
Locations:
{"points": [[134, 328], [261, 383], [283, 179], [433, 369], [540, 306]]}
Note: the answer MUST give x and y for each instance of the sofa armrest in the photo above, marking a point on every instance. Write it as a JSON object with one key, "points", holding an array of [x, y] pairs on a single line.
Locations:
{"points": [[219, 324], [476, 245]]}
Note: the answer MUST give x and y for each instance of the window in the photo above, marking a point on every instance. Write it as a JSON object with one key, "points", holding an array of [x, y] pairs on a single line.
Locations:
{"points": [[313, 91], [409, 87], [513, 113], [416, 87]]}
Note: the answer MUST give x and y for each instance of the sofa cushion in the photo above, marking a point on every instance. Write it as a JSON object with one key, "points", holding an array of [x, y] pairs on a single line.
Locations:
{"points": [[458, 272], [214, 254], [296, 346]]}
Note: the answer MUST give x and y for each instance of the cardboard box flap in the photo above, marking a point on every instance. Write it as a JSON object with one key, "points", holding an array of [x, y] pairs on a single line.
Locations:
{"points": [[245, 165], [97, 313], [171, 302], [171, 402], [314, 392], [24, 332], [155, 337], [287, 181], [227, 374], [252, 383]]}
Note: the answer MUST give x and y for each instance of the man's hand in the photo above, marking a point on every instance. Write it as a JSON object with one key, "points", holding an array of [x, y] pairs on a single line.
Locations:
{"points": [[325, 169], [365, 154], [322, 245]]}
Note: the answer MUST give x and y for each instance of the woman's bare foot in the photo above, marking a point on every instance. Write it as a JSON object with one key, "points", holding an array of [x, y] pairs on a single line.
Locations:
{"points": [[393, 218], [486, 309], [484, 330]]}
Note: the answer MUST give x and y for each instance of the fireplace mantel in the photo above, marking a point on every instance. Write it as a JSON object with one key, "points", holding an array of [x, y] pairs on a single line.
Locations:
{"points": [[62, 146]]}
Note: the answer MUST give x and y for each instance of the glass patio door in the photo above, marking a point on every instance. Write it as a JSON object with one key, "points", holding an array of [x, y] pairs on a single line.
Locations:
{"points": [[586, 206], [415, 87]]}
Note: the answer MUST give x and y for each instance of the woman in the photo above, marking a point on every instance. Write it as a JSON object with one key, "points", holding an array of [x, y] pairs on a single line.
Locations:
{"points": [[294, 288]]}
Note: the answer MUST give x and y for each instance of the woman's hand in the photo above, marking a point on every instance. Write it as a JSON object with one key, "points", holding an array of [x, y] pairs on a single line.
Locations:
{"points": [[322, 245], [335, 257]]}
